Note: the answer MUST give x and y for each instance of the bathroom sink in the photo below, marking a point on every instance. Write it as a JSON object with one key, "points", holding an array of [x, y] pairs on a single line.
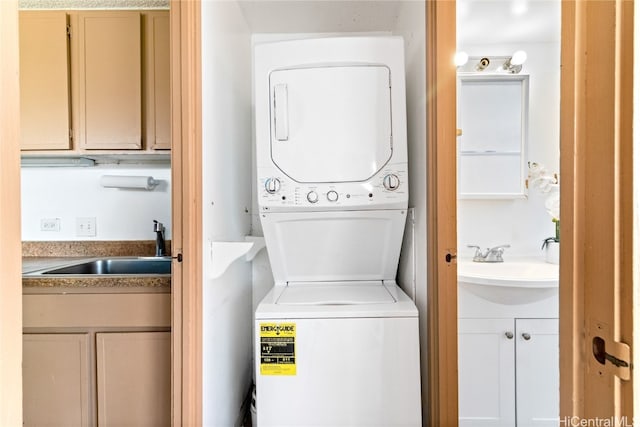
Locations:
{"points": [[510, 282], [117, 266]]}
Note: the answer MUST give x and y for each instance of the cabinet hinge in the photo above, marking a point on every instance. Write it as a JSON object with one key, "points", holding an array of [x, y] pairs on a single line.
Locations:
{"points": [[71, 134], [68, 30]]}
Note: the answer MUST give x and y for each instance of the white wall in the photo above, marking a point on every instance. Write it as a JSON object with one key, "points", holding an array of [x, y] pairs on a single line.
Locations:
{"points": [[412, 272], [522, 223], [69, 193], [226, 190]]}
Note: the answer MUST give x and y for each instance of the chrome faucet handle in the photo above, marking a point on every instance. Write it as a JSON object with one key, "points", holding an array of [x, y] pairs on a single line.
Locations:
{"points": [[495, 254], [478, 256], [495, 248], [157, 226]]}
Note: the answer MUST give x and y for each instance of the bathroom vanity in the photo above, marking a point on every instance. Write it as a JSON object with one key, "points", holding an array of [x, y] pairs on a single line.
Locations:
{"points": [[508, 343]]}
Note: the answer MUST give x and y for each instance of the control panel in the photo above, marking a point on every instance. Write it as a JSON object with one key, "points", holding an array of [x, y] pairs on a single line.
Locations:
{"points": [[387, 189]]}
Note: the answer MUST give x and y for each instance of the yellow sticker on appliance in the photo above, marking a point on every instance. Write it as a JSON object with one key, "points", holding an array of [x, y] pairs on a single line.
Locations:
{"points": [[277, 348]]}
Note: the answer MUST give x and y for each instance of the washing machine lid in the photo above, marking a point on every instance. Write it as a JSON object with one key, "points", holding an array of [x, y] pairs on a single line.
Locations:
{"points": [[331, 123], [336, 293]]}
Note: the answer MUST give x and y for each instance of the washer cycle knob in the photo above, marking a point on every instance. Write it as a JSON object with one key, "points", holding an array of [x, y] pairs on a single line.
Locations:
{"points": [[332, 196], [312, 197], [272, 185], [391, 182]]}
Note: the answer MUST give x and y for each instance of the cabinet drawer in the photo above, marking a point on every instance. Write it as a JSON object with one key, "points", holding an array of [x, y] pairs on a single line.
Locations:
{"points": [[96, 310]]}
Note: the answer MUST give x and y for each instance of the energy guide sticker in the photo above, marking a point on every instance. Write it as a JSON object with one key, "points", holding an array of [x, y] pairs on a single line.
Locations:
{"points": [[277, 348]]}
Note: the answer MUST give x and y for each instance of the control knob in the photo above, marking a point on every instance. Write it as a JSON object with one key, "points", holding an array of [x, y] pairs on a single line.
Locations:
{"points": [[312, 197], [272, 185], [332, 196], [391, 182]]}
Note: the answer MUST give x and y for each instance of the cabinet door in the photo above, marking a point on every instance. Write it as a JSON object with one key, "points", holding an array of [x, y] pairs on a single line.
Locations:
{"points": [[537, 372], [44, 81], [110, 80], [55, 375], [486, 372], [134, 379], [157, 93]]}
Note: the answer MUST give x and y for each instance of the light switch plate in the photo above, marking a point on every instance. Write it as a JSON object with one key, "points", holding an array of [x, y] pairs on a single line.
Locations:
{"points": [[86, 227]]}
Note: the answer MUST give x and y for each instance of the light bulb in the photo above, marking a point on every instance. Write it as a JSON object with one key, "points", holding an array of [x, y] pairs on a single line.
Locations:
{"points": [[518, 57], [460, 58]]}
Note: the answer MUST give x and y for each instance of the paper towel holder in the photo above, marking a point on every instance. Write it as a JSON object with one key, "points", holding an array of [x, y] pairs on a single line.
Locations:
{"points": [[129, 182]]}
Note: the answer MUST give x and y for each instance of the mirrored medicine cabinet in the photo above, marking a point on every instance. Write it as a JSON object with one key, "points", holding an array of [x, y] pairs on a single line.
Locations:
{"points": [[492, 136]]}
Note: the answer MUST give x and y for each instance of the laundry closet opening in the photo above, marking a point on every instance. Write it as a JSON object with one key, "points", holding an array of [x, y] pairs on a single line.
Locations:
{"points": [[230, 30]]}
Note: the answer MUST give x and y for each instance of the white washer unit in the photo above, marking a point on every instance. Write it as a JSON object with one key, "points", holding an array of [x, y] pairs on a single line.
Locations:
{"points": [[336, 338]]}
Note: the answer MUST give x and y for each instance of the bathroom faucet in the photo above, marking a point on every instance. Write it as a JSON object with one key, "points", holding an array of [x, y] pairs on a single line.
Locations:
{"points": [[490, 255], [158, 228]]}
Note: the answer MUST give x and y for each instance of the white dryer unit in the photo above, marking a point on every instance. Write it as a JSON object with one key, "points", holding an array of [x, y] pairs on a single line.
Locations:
{"points": [[336, 339]]}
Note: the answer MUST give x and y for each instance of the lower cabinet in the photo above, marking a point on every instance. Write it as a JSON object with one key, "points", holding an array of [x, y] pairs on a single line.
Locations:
{"points": [[56, 377], [134, 382], [508, 372], [97, 360]]}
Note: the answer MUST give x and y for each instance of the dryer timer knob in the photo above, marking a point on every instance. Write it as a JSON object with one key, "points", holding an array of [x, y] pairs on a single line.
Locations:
{"points": [[272, 185], [391, 182]]}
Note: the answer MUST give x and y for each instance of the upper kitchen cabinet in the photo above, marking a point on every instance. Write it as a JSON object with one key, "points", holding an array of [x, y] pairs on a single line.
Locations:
{"points": [[44, 81], [156, 80], [95, 81], [109, 80]]}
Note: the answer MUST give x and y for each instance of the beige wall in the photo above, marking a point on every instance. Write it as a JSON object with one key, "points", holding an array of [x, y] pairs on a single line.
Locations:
{"points": [[10, 258]]}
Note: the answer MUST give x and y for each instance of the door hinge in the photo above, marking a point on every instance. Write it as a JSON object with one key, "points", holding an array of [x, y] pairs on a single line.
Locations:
{"points": [[68, 30], [609, 355]]}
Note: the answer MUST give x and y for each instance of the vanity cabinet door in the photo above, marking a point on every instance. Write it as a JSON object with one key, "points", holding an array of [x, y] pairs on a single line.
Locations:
{"points": [[56, 376], [134, 378], [537, 372], [486, 372], [109, 80], [45, 102]]}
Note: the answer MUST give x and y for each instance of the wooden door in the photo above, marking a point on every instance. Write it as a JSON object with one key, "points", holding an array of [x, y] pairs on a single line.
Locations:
{"points": [[134, 379], [56, 380], [597, 230], [45, 115]]}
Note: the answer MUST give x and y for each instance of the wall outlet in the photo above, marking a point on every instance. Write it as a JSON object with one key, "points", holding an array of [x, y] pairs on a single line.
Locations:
{"points": [[50, 224], [86, 227]]}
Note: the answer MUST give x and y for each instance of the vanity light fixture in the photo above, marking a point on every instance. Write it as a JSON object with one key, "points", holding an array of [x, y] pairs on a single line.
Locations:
{"points": [[514, 64], [483, 63]]}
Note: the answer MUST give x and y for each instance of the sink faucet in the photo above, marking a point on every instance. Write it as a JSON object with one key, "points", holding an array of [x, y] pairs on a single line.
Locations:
{"points": [[490, 255], [158, 228]]}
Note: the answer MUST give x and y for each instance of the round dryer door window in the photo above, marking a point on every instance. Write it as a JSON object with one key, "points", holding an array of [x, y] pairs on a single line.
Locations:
{"points": [[331, 124]]}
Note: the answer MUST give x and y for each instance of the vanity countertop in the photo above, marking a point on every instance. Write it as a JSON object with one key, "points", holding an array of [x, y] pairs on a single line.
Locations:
{"points": [[518, 271]]}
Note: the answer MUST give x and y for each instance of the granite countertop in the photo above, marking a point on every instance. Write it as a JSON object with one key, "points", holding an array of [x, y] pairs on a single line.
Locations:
{"points": [[39, 256]]}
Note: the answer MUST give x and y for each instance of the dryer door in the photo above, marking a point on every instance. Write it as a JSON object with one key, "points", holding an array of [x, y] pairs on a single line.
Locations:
{"points": [[331, 124]]}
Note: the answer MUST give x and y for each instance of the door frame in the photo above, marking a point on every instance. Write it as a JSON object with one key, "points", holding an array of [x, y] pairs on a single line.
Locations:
{"points": [[442, 279], [186, 210], [10, 229]]}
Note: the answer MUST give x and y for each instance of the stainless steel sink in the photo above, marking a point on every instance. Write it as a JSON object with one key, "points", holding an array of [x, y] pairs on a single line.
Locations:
{"points": [[143, 265]]}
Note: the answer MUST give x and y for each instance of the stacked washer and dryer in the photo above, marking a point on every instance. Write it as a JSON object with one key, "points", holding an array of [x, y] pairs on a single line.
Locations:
{"points": [[337, 340]]}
